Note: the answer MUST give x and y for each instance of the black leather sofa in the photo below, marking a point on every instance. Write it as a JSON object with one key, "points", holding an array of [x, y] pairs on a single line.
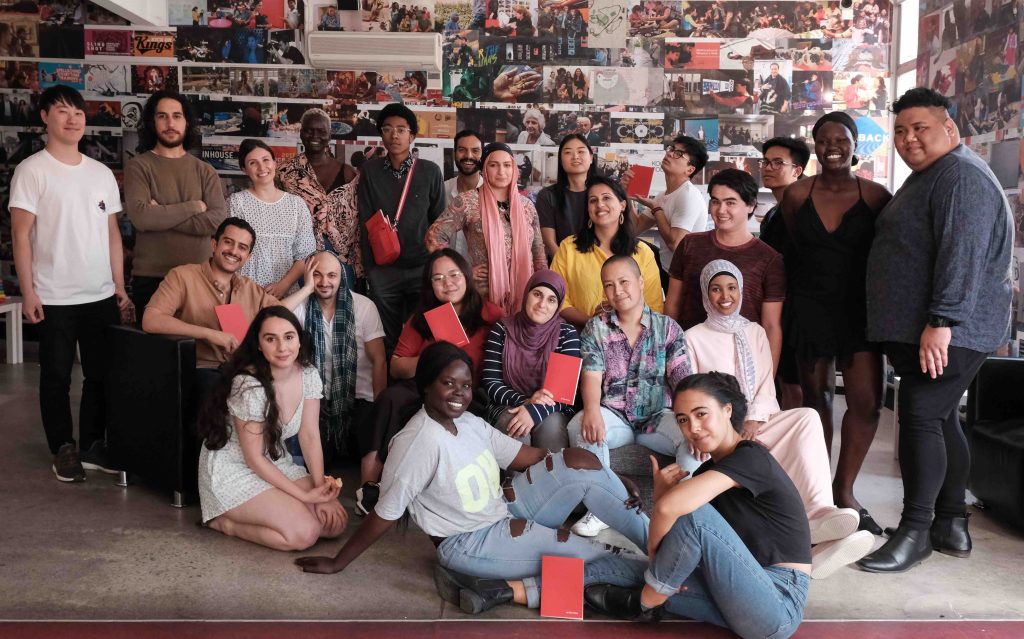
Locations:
{"points": [[995, 429], [151, 409]]}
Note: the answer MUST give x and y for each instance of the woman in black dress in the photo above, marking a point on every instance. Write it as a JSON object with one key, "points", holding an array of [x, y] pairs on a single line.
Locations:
{"points": [[830, 220]]}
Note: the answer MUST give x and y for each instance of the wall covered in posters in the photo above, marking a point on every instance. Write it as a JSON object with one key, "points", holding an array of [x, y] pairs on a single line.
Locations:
{"points": [[970, 52], [630, 74]]}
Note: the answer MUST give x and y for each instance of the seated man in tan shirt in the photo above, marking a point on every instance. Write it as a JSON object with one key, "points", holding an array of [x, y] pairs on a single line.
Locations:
{"points": [[186, 301]]}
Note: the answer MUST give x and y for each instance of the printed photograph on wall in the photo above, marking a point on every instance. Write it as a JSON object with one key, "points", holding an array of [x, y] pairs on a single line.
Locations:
{"points": [[740, 54], [461, 48], [248, 81], [21, 75], [108, 42], [103, 113], [19, 35], [382, 15], [517, 83], [202, 44], [690, 53], [53, 73], [298, 83], [352, 85], [812, 90], [206, 80], [107, 79], [149, 78], [285, 46], [570, 85], [744, 134], [773, 85], [451, 17]]}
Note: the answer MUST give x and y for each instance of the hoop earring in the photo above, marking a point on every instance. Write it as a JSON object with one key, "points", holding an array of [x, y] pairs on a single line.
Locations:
{"points": [[622, 218], [590, 224]]}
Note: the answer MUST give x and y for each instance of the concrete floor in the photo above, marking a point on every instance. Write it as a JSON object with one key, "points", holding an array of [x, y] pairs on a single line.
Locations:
{"points": [[97, 551]]}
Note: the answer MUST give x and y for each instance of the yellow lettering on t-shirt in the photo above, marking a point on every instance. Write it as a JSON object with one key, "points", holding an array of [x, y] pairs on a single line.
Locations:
{"points": [[478, 482]]}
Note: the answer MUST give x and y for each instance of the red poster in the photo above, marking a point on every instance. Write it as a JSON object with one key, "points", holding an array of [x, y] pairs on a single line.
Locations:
{"points": [[108, 42]]}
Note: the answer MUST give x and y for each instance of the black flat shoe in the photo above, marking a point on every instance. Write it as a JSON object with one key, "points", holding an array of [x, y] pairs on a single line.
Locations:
{"points": [[949, 536], [868, 523], [471, 594], [619, 602], [904, 550]]}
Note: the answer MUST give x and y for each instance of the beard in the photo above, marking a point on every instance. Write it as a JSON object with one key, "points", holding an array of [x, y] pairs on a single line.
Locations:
{"points": [[170, 143], [461, 169]]}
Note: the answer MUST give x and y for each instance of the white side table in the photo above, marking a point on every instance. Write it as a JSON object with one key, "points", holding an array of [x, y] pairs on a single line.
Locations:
{"points": [[11, 307]]}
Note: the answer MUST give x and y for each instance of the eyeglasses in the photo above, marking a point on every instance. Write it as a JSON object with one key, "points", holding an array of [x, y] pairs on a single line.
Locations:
{"points": [[674, 152], [774, 163], [441, 278], [387, 129]]}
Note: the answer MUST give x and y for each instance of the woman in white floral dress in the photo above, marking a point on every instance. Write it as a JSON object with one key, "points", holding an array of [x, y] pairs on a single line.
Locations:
{"points": [[248, 485]]}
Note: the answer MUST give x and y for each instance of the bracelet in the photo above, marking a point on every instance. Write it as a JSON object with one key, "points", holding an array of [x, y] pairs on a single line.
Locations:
{"points": [[656, 209]]}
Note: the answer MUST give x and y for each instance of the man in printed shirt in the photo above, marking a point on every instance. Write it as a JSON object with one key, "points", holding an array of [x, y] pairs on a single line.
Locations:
{"points": [[632, 359]]}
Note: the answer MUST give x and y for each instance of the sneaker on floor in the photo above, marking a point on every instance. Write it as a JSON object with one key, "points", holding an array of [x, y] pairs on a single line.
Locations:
{"points": [[830, 556], [66, 465], [96, 458], [589, 526], [837, 523], [366, 497]]}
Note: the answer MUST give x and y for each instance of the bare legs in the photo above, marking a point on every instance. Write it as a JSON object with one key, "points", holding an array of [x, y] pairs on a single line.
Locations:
{"points": [[863, 382], [277, 520], [370, 468]]}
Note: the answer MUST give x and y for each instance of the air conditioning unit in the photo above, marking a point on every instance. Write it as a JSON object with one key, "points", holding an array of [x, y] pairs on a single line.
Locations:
{"points": [[374, 51]]}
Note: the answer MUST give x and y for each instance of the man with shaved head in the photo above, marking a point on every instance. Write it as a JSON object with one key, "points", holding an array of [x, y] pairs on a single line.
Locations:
{"points": [[348, 346], [939, 294], [632, 359]]}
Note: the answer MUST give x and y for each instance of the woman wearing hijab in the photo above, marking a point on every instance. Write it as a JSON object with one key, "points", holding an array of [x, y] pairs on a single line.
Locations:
{"points": [[516, 362], [830, 224], [729, 343], [501, 228]]}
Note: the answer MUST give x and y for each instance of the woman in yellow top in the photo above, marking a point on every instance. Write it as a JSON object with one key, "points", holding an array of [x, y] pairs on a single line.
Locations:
{"points": [[608, 231]]}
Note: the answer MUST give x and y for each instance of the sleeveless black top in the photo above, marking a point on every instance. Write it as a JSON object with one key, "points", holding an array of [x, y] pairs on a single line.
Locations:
{"points": [[826, 294]]}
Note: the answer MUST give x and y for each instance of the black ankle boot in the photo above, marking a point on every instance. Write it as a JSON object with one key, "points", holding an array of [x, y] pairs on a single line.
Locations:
{"points": [[472, 594], [950, 537], [619, 602], [904, 550]]}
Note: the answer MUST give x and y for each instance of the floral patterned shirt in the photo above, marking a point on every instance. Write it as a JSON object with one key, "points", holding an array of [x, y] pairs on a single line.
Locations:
{"points": [[335, 213], [636, 380]]}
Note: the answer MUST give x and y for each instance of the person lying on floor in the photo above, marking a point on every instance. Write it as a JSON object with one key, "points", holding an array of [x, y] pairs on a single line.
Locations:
{"points": [[443, 472], [447, 278], [249, 487], [731, 546], [516, 363], [729, 343]]}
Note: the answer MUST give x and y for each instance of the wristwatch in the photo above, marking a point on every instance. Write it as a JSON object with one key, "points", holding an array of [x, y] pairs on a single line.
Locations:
{"points": [[937, 321]]}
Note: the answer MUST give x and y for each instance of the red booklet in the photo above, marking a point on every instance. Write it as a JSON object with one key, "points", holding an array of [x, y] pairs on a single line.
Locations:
{"points": [[561, 587], [232, 320], [641, 183], [445, 325], [562, 377]]}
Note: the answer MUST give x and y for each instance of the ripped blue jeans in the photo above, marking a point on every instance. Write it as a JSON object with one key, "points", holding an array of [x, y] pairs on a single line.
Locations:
{"points": [[539, 501]]}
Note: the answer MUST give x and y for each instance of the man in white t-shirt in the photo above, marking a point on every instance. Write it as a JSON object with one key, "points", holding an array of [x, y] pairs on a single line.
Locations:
{"points": [[349, 391], [682, 208], [69, 259]]}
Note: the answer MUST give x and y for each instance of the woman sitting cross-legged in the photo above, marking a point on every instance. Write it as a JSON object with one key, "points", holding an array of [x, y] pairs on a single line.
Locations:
{"points": [[443, 472], [516, 362], [730, 546], [248, 485], [728, 343], [446, 279]]}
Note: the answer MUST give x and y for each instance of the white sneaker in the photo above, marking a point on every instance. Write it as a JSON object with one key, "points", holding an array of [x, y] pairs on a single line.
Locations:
{"points": [[589, 526], [837, 523], [830, 556]]}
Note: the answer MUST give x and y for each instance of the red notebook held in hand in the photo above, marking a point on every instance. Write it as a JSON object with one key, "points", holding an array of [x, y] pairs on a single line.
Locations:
{"points": [[562, 377], [641, 183], [445, 325], [561, 587], [232, 320]]}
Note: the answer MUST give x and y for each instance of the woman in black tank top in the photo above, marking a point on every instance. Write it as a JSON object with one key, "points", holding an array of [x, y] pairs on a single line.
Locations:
{"points": [[830, 222]]}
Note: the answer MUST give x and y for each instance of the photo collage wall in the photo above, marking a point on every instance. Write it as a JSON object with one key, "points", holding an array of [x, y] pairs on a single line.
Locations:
{"points": [[628, 74], [970, 53]]}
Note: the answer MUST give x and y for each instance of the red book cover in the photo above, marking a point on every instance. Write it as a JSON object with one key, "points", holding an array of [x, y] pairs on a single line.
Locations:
{"points": [[640, 185], [561, 587], [232, 320], [562, 376], [445, 325]]}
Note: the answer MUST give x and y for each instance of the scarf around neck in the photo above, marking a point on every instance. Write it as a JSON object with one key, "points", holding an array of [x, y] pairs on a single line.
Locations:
{"points": [[340, 395], [527, 344], [733, 323]]}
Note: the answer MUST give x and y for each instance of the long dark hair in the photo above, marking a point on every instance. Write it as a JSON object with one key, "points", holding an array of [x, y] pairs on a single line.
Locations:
{"points": [[214, 422], [724, 388], [472, 304], [147, 126], [624, 242]]}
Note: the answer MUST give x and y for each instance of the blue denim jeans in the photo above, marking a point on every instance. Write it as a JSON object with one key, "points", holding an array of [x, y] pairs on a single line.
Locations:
{"points": [[724, 584], [544, 496], [667, 439]]}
